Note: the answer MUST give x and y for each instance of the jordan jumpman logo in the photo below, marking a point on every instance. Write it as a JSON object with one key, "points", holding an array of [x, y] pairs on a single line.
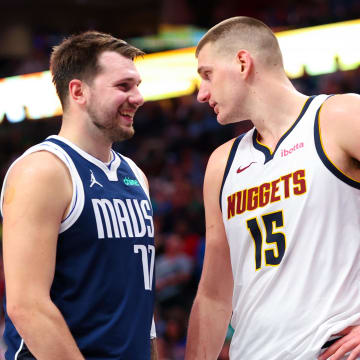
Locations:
{"points": [[93, 180]]}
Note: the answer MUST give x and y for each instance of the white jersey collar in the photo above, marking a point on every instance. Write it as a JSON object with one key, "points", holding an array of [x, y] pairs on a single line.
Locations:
{"points": [[109, 169]]}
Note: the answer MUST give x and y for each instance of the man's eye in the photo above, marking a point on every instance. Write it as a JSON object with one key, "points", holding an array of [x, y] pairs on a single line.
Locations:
{"points": [[124, 86]]}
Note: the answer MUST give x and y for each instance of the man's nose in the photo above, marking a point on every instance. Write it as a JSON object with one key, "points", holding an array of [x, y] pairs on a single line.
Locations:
{"points": [[136, 98], [203, 94]]}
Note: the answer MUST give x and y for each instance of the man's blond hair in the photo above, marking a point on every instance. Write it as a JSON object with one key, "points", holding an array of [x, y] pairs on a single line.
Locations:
{"points": [[242, 32]]}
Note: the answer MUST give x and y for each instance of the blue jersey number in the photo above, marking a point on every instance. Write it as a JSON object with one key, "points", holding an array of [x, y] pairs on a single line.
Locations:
{"points": [[273, 256]]}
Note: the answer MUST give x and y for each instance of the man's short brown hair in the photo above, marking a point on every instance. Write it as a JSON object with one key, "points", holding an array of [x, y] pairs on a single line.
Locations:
{"points": [[77, 58], [246, 33]]}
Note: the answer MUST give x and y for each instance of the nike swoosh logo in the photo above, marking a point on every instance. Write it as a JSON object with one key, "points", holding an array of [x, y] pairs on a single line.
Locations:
{"points": [[239, 170]]}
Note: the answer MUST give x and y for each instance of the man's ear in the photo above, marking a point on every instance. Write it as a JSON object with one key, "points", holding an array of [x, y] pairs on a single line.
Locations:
{"points": [[245, 61], [77, 91]]}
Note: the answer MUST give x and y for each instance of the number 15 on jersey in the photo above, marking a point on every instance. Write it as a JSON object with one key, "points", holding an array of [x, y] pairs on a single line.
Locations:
{"points": [[274, 253]]}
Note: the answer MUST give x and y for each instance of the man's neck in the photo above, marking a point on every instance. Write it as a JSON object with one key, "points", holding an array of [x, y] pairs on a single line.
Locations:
{"points": [[276, 113], [96, 147]]}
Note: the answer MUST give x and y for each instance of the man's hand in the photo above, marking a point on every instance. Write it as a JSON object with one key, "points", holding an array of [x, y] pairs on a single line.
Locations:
{"points": [[154, 352], [349, 343]]}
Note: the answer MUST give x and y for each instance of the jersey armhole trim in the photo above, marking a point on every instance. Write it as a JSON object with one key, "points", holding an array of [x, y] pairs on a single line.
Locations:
{"points": [[323, 156], [78, 197], [139, 176], [20, 348], [229, 163]]}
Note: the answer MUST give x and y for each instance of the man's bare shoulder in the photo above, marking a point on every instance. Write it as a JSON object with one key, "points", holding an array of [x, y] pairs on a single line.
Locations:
{"points": [[340, 131], [215, 169], [40, 165], [341, 107], [37, 173], [219, 157]]}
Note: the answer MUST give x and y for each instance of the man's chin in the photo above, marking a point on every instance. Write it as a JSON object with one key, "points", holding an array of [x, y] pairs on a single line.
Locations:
{"points": [[122, 134], [224, 119], [221, 119]]}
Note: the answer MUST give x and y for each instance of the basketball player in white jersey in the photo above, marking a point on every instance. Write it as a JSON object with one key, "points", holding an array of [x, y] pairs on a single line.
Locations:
{"points": [[282, 259]]}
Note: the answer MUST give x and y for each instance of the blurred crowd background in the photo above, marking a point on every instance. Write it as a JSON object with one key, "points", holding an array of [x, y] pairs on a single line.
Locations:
{"points": [[174, 137]]}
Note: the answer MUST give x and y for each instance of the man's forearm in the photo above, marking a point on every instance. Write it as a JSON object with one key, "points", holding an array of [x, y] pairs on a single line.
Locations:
{"points": [[208, 324], [45, 332], [154, 353]]}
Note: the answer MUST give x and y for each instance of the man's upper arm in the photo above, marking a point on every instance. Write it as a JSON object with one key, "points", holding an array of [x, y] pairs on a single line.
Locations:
{"points": [[145, 179], [38, 191], [216, 281], [340, 123]]}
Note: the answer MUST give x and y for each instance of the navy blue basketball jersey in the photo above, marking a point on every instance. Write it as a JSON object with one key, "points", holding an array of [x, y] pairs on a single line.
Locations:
{"points": [[103, 283]]}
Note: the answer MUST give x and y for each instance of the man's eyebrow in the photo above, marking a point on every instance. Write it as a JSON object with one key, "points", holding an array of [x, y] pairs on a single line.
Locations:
{"points": [[203, 69], [129, 79]]}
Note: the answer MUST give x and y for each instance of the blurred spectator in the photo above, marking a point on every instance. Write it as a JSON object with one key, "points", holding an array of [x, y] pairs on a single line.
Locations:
{"points": [[173, 271], [224, 353], [175, 334]]}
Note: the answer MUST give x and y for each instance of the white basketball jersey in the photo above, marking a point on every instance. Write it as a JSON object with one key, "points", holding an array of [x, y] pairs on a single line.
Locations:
{"points": [[292, 221]]}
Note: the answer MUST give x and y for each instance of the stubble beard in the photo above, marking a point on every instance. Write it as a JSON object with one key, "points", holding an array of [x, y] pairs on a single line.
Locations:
{"points": [[108, 124], [231, 117]]}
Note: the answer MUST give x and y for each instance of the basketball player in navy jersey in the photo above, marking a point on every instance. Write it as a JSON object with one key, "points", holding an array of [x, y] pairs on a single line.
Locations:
{"points": [[78, 232], [282, 259]]}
